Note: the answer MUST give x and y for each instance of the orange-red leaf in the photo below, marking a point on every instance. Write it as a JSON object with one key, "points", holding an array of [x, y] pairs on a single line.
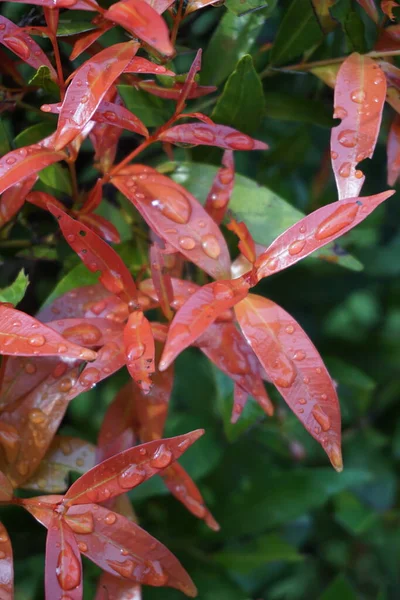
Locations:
{"points": [[6, 491], [88, 87], [246, 244], [174, 92], [23, 335], [221, 189], [87, 39], [115, 588], [116, 432], [63, 567], [13, 199], [162, 281], [316, 230], [97, 256], [387, 7], [101, 227], [197, 314], [211, 135], [393, 151], [93, 199], [360, 92], [187, 86], [295, 368], [176, 216], [128, 469], [141, 65], [143, 22], [6, 566], [122, 548], [139, 349]]}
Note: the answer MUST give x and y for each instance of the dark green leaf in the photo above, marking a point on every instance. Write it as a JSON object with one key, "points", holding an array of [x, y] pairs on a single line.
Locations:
{"points": [[153, 111], [339, 588], [34, 134], [287, 107], [42, 79], [57, 178]]}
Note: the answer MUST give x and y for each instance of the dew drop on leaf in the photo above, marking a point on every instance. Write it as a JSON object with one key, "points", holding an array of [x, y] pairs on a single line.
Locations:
{"points": [[162, 457], [187, 243], [341, 218], [125, 568], [203, 135], [37, 416], [239, 141], [18, 46], [110, 518], [37, 340], [358, 96], [68, 569], [131, 477], [345, 170], [321, 417], [348, 138], [210, 245]]}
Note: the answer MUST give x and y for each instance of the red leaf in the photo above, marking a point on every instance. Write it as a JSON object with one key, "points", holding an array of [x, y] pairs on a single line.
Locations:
{"points": [[387, 7], [246, 244], [23, 335], [181, 485], [225, 346], [296, 369], [63, 574], [115, 588], [94, 198], [393, 151], [87, 89], [160, 6], [22, 375], [13, 199], [75, 4], [360, 92], [316, 230], [87, 39], [143, 22], [197, 314], [240, 398], [15, 39], [19, 164], [139, 349], [211, 135], [187, 86], [221, 189], [175, 216], [123, 549], [97, 256], [116, 432], [128, 469], [88, 332], [174, 92], [6, 494], [101, 227], [142, 65], [105, 140], [162, 281], [6, 566], [42, 199]]}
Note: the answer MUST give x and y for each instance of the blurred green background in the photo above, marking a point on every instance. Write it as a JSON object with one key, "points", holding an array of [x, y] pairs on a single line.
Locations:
{"points": [[291, 527]]}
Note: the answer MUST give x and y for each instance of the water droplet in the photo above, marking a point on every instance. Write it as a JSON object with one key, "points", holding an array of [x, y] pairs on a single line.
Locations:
{"points": [[110, 518], [82, 547], [59, 370], [211, 246], [11, 160], [62, 348], [23, 468], [339, 113], [299, 355], [68, 569], [98, 307], [340, 219], [358, 96], [65, 385], [239, 141], [359, 174], [321, 417], [135, 351], [324, 397], [225, 176], [334, 155], [272, 264], [345, 170], [81, 524], [143, 451], [375, 99], [83, 334], [282, 371], [84, 99], [289, 329], [125, 569], [203, 134], [71, 238], [170, 202], [17, 45], [303, 401], [296, 247], [348, 138], [162, 457], [2, 554], [131, 477], [110, 115], [30, 368], [187, 243], [3, 537], [37, 340], [37, 416], [90, 376]]}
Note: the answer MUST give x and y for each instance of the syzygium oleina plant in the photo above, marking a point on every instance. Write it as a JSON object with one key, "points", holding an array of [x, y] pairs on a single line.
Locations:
{"points": [[103, 108]]}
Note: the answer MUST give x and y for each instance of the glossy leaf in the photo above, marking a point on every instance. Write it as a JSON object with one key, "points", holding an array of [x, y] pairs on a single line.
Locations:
{"points": [[22, 375], [122, 548], [63, 573], [23, 335], [162, 281], [142, 21], [93, 199], [246, 244], [88, 332], [314, 231], [176, 216], [97, 256], [142, 65], [13, 199], [64, 455], [129, 468], [186, 491], [393, 151], [117, 589], [174, 92], [221, 189], [139, 349], [190, 79], [15, 39], [101, 227], [6, 492], [211, 135], [87, 89], [20, 164], [198, 313], [6, 566], [295, 368], [85, 41], [360, 92]]}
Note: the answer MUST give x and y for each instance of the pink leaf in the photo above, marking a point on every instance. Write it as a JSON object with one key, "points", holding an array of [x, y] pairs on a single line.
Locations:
{"points": [[6, 566], [139, 349], [393, 151], [221, 189], [211, 135], [63, 575]]}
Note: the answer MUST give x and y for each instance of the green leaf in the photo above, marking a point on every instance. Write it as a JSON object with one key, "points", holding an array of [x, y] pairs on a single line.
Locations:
{"points": [[233, 38], [4, 141], [57, 178], [286, 107], [241, 7], [354, 516], [34, 134], [67, 27], [265, 213], [42, 78], [153, 111], [265, 549], [241, 104], [16, 291], [298, 32], [339, 588], [352, 25], [77, 277]]}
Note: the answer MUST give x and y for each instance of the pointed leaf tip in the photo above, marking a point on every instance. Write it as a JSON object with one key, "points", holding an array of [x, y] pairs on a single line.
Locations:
{"points": [[334, 453]]}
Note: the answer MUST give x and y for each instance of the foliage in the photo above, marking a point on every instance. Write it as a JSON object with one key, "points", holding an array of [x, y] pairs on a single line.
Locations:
{"points": [[150, 178]]}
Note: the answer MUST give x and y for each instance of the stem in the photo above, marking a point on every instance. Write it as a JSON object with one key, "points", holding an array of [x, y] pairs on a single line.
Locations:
{"points": [[74, 181], [60, 74], [150, 140], [177, 22]]}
